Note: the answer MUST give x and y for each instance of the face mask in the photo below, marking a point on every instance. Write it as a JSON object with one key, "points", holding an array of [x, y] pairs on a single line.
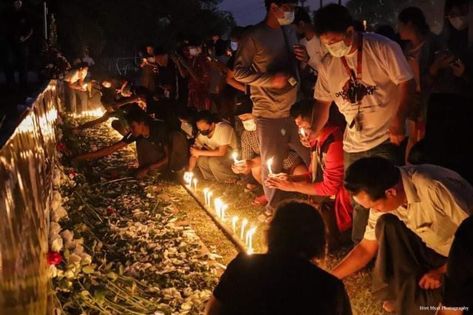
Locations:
{"points": [[287, 19], [205, 132], [249, 125], [338, 49], [234, 46], [459, 22], [193, 51]]}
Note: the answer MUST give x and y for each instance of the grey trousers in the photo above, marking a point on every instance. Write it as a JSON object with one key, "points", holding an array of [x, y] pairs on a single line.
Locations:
{"points": [[216, 168], [403, 258], [276, 137], [360, 214]]}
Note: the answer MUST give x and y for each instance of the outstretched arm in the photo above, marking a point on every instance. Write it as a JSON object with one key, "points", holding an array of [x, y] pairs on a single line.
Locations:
{"points": [[101, 152]]}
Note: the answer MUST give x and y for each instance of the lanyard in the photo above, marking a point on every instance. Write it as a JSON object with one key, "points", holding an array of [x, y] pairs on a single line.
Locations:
{"points": [[359, 63]]}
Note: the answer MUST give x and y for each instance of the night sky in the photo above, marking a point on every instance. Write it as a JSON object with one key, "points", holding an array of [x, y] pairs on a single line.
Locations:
{"points": [[253, 11]]}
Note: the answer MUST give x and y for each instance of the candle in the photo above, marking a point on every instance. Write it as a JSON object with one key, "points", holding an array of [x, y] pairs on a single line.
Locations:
{"points": [[269, 163], [302, 132], [218, 206], [188, 178], [206, 192], [234, 223], [250, 234], [235, 157], [195, 184], [242, 228], [209, 197], [223, 210]]}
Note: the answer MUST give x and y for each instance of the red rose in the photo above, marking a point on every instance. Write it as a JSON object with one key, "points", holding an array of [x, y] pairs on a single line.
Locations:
{"points": [[54, 258], [60, 147], [111, 211]]}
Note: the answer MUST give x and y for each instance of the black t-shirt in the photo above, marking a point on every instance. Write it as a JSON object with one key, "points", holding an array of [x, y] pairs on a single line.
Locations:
{"points": [[158, 135], [272, 285], [18, 23]]}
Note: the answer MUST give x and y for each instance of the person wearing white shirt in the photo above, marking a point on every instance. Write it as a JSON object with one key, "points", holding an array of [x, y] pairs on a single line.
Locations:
{"points": [[415, 212], [212, 149]]}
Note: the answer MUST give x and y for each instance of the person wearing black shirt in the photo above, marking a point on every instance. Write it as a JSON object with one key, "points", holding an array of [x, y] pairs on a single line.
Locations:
{"points": [[18, 39], [286, 280], [158, 148]]}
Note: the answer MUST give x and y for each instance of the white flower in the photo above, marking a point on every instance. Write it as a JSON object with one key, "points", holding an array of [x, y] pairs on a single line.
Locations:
{"points": [[52, 272], [54, 229], [57, 244], [67, 235], [58, 214], [86, 259], [56, 200], [69, 274], [74, 259]]}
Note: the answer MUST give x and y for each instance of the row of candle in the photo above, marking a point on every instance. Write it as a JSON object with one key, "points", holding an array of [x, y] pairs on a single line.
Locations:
{"points": [[221, 208]]}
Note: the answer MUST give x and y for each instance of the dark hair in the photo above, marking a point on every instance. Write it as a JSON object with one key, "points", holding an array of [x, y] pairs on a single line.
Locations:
{"points": [[373, 175], [237, 32], [387, 31], [206, 116], [449, 4], [302, 108], [302, 16], [189, 114], [81, 65], [416, 17], [221, 47], [267, 3], [297, 229], [332, 18], [136, 114]]}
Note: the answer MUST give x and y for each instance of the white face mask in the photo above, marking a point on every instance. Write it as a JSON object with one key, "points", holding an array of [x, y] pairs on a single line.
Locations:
{"points": [[234, 45], [459, 22], [287, 19], [338, 49], [249, 125], [194, 51]]}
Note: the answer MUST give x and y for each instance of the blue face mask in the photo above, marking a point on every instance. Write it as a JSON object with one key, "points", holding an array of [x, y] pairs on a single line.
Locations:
{"points": [[287, 19], [234, 45]]}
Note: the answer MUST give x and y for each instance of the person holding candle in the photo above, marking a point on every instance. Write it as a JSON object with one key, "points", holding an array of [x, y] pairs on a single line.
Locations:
{"points": [[286, 279], [268, 60], [324, 181], [211, 152], [76, 88], [250, 163]]}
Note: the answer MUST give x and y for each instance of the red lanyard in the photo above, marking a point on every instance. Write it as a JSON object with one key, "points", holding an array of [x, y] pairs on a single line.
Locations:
{"points": [[359, 62]]}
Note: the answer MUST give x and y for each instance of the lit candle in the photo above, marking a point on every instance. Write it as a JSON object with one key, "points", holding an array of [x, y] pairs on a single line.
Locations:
{"points": [[195, 184], [218, 206], [209, 197], [302, 132], [269, 163], [223, 210], [242, 228], [251, 232], [235, 157], [206, 192], [234, 223]]}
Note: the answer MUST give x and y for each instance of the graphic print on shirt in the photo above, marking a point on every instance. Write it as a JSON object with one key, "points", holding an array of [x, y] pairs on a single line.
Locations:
{"points": [[354, 91]]}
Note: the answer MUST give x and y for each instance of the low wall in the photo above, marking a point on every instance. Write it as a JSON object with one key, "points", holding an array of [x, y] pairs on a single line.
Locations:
{"points": [[26, 164]]}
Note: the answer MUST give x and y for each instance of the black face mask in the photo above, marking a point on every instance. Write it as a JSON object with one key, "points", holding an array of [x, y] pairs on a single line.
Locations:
{"points": [[205, 132]]}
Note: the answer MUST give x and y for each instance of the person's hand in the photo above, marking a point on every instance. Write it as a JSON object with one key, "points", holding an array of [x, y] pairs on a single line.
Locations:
{"points": [[241, 167], [300, 51], [279, 183], [441, 61], [396, 134], [195, 152], [280, 80], [431, 280], [141, 172], [458, 68], [141, 101]]}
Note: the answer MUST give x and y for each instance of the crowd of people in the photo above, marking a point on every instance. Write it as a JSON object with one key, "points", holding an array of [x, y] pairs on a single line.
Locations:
{"points": [[319, 107]]}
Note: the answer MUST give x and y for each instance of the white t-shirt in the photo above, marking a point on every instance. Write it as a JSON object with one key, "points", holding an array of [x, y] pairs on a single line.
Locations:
{"points": [[223, 135], [315, 50], [384, 67]]}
